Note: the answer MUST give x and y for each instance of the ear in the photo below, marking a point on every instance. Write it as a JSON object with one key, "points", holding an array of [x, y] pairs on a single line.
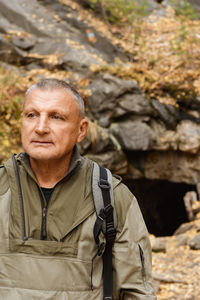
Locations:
{"points": [[82, 129]]}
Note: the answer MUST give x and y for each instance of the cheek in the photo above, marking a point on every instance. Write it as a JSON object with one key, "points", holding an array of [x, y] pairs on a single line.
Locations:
{"points": [[70, 132], [24, 125], [24, 137], [27, 127], [25, 132]]}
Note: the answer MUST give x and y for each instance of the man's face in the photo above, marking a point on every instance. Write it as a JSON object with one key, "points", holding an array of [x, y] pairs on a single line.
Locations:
{"points": [[51, 124]]}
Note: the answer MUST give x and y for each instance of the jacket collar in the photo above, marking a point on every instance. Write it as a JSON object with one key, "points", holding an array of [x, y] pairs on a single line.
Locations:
{"points": [[76, 162]]}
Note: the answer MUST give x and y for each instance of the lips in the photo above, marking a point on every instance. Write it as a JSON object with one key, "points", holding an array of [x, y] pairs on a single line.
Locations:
{"points": [[41, 142]]}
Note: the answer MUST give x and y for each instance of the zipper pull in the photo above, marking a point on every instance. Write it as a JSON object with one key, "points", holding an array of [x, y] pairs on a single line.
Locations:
{"points": [[44, 210]]}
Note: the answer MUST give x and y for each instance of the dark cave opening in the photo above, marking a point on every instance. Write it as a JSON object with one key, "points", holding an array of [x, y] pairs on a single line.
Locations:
{"points": [[161, 203]]}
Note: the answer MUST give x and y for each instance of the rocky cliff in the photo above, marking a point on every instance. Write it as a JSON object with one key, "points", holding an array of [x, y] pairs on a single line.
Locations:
{"points": [[144, 115]]}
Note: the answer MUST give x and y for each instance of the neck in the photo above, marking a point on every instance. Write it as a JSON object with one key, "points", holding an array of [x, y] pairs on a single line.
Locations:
{"points": [[49, 173]]}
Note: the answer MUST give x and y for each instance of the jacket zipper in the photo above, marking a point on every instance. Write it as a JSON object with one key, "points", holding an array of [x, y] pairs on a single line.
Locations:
{"points": [[142, 261], [44, 221], [45, 208], [44, 217]]}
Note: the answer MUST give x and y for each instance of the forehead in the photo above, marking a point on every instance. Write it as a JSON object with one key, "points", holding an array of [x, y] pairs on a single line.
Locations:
{"points": [[50, 99]]}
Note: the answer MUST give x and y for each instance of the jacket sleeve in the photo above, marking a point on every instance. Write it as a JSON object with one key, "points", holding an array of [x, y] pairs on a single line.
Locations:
{"points": [[132, 274]]}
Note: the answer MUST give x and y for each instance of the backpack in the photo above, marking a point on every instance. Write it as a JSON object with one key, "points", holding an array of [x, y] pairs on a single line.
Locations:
{"points": [[106, 221]]}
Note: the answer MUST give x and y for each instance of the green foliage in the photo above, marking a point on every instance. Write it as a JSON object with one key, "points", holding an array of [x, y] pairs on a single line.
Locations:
{"points": [[184, 8], [116, 11], [12, 88]]}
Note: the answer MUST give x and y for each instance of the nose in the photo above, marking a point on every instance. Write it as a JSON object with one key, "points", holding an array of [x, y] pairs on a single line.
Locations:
{"points": [[42, 126]]}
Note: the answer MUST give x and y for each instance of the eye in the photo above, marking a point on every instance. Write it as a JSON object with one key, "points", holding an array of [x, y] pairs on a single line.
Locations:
{"points": [[31, 115], [56, 117]]}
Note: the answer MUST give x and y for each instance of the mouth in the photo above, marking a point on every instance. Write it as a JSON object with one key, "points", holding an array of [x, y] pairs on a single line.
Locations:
{"points": [[42, 142]]}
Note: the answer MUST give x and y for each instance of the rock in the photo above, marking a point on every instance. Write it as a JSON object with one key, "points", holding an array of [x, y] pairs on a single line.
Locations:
{"points": [[132, 135], [23, 42], [195, 243], [190, 200], [168, 277], [112, 98], [184, 228], [163, 139], [185, 137], [167, 113], [114, 160], [43, 24], [97, 140], [188, 136], [181, 240], [174, 166], [134, 102], [158, 245], [12, 54]]}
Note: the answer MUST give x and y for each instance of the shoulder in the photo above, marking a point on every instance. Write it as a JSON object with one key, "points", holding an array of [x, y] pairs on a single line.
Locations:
{"points": [[129, 215], [2, 170], [122, 195], [87, 162], [124, 199], [128, 211]]}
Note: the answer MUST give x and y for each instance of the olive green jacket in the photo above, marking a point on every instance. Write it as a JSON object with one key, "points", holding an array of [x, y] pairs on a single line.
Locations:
{"points": [[46, 251]]}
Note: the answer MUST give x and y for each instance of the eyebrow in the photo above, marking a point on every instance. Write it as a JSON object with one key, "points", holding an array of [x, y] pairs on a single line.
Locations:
{"points": [[53, 111]]}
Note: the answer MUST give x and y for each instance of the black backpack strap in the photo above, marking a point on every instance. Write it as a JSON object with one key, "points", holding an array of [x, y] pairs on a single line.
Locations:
{"points": [[104, 204], [97, 194]]}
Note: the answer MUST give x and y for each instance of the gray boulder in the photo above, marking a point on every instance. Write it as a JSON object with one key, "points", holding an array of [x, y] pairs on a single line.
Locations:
{"points": [[183, 228], [37, 27], [195, 243], [158, 244], [132, 135], [113, 98]]}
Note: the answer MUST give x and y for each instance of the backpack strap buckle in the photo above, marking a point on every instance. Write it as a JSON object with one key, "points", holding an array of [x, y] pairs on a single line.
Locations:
{"points": [[108, 210], [104, 184], [110, 232]]}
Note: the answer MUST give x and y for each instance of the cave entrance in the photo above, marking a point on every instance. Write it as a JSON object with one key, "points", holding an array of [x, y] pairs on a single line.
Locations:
{"points": [[161, 203]]}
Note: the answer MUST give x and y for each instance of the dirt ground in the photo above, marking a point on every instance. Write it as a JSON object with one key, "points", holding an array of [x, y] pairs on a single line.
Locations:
{"points": [[176, 270]]}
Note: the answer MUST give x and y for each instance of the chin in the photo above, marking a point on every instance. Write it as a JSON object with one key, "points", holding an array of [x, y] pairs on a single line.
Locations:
{"points": [[41, 155]]}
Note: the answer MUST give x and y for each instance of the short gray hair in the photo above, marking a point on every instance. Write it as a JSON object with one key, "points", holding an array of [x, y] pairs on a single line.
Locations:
{"points": [[53, 84]]}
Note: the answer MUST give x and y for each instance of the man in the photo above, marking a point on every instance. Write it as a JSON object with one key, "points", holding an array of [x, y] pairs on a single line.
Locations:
{"points": [[47, 211]]}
